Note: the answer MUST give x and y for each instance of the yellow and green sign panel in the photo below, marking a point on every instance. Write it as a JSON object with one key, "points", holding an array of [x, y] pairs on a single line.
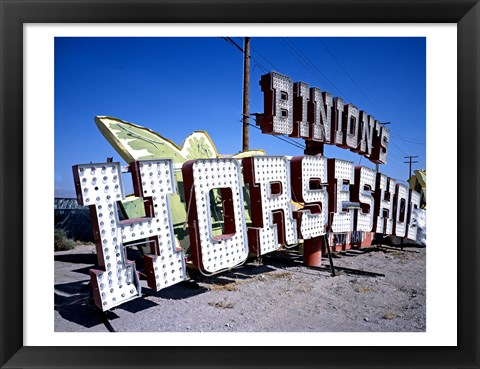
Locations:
{"points": [[133, 142]]}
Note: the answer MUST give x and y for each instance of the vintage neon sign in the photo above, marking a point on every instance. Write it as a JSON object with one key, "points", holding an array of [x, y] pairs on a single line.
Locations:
{"points": [[251, 193], [211, 253], [296, 110], [99, 186], [319, 182]]}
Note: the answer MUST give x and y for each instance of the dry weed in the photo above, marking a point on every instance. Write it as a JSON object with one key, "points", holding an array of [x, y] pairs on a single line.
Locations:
{"points": [[279, 275], [363, 289], [223, 287], [222, 304], [389, 316]]}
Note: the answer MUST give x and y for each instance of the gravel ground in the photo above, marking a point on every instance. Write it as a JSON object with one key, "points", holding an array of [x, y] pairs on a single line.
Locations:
{"points": [[277, 295]]}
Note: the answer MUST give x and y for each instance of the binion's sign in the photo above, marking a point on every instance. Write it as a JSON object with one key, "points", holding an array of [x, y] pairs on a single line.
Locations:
{"points": [[296, 110], [211, 213]]}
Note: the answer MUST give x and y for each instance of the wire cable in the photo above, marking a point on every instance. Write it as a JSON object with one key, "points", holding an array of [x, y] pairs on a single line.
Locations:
{"points": [[281, 137], [350, 77], [309, 66], [255, 62], [287, 138]]}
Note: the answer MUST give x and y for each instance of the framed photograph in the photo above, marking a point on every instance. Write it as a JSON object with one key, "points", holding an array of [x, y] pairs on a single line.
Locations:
{"points": [[47, 48]]}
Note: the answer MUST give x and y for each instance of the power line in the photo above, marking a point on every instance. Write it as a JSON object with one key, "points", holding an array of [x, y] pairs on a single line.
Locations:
{"points": [[232, 42], [395, 146], [409, 140], [290, 46], [404, 139], [282, 138], [350, 77], [303, 59], [309, 66], [293, 49], [264, 58], [237, 46]]}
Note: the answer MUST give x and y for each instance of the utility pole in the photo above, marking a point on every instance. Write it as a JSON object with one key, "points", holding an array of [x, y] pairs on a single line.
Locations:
{"points": [[246, 92], [410, 162]]}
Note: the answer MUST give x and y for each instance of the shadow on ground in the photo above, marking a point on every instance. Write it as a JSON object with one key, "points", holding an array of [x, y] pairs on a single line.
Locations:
{"points": [[74, 300], [80, 310], [77, 258]]}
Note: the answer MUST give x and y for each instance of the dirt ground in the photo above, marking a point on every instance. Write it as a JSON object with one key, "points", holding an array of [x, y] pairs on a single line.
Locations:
{"points": [[279, 294]]}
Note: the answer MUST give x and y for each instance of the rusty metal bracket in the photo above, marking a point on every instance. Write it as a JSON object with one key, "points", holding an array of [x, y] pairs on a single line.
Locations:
{"points": [[329, 253]]}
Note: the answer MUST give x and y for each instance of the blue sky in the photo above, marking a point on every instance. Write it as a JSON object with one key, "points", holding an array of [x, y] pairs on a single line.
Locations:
{"points": [[175, 86]]}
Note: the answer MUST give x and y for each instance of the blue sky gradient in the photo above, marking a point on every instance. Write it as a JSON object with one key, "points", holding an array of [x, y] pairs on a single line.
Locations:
{"points": [[176, 85]]}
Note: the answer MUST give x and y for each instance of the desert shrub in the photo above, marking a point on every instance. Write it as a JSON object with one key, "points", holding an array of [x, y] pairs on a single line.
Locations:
{"points": [[62, 242]]}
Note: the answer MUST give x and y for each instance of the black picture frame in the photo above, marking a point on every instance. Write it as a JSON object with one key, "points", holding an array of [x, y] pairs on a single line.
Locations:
{"points": [[465, 13]]}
